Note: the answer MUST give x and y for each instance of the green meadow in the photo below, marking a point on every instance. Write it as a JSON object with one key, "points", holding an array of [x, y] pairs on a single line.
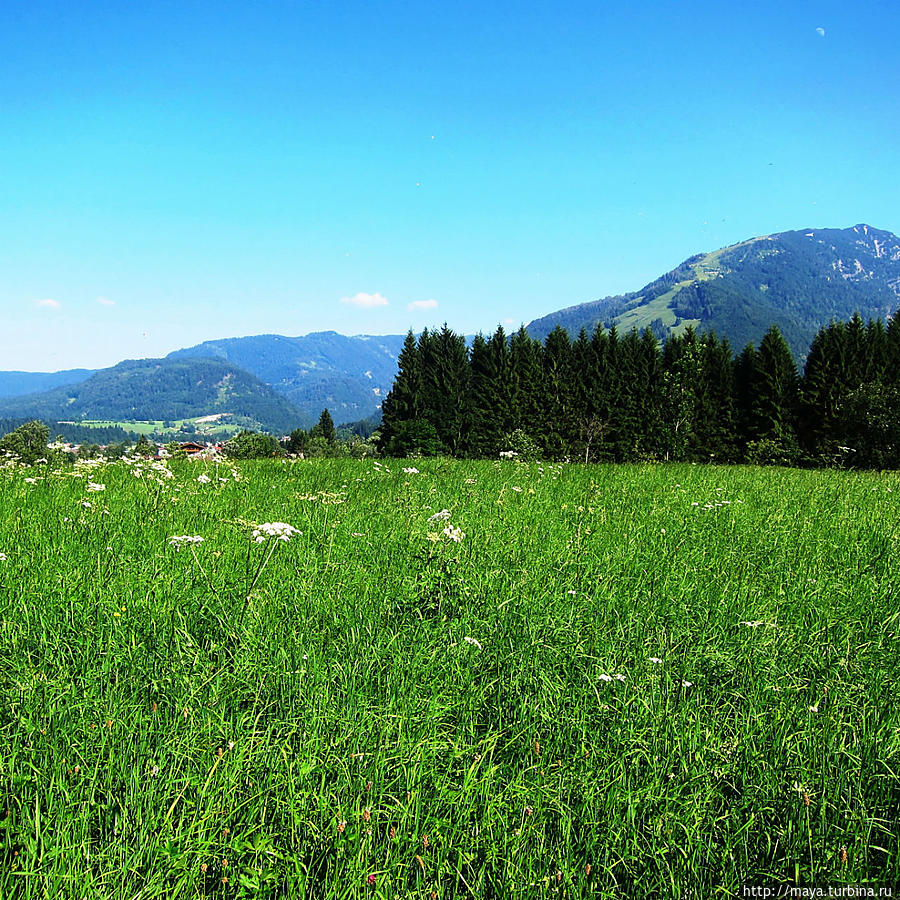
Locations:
{"points": [[479, 679]]}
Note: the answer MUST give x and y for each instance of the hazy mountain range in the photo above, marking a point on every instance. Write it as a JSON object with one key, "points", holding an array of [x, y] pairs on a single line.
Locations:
{"points": [[798, 280]]}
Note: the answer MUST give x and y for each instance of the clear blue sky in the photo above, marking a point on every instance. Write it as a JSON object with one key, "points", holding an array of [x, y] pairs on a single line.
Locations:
{"points": [[173, 172]]}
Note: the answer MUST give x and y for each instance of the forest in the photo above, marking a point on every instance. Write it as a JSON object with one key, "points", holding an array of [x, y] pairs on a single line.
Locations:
{"points": [[619, 398]]}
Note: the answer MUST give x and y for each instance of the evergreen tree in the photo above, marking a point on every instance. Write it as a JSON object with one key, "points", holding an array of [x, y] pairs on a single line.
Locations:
{"points": [[557, 427], [489, 398], [404, 401], [773, 400], [324, 428], [525, 382], [445, 382]]}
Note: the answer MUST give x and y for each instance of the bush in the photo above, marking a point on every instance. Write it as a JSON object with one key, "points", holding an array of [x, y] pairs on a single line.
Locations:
{"points": [[415, 437], [28, 442], [250, 445], [521, 444]]}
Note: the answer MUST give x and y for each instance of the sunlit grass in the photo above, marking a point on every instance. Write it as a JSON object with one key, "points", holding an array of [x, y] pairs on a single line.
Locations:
{"points": [[374, 709]]}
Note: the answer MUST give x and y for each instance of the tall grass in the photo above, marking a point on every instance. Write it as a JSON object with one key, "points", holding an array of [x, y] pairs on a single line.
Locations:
{"points": [[375, 709]]}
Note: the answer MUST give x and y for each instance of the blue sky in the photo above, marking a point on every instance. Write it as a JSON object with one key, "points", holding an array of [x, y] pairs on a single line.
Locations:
{"points": [[173, 172]]}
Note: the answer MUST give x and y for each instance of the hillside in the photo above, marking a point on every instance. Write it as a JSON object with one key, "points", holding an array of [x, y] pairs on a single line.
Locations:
{"points": [[349, 375], [798, 280], [16, 384], [163, 389]]}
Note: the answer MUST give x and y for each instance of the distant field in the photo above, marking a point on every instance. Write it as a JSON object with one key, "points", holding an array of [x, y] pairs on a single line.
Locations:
{"points": [[159, 426], [475, 680]]}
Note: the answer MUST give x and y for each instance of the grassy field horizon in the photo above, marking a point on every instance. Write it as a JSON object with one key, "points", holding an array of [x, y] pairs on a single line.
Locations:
{"points": [[446, 679]]}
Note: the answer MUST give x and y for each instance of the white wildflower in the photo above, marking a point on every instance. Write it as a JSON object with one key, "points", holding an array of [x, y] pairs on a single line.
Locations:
{"points": [[86, 504], [620, 677], [655, 659], [455, 534], [814, 709], [518, 490], [412, 470], [438, 516], [687, 684], [204, 479], [94, 487], [30, 480], [473, 642], [571, 593], [181, 540], [508, 454], [279, 530], [2, 557]]}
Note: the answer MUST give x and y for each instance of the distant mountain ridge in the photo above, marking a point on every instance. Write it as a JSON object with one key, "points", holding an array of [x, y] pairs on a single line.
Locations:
{"points": [[348, 375], [798, 280], [160, 389]]}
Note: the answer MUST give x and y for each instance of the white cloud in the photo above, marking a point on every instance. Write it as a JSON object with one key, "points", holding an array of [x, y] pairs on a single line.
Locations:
{"points": [[365, 301], [422, 304], [509, 321], [104, 302], [48, 304], [820, 31]]}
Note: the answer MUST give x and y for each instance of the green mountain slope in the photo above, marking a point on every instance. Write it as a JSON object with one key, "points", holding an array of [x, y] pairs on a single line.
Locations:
{"points": [[798, 280], [151, 389], [349, 375]]}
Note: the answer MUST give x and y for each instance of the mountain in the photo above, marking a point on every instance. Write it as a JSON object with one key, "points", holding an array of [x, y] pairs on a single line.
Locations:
{"points": [[348, 375], [797, 280], [153, 389], [15, 384]]}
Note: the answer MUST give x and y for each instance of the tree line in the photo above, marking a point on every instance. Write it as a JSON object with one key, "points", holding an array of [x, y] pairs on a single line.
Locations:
{"points": [[618, 398]]}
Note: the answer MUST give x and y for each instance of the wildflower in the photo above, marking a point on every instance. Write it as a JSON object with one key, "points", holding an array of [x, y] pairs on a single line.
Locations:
{"points": [[508, 454], [279, 530], [571, 593], [687, 684], [3, 557], [814, 709], [606, 678], [412, 470], [620, 677], [231, 745], [203, 867], [455, 534], [518, 490], [655, 659], [85, 504], [341, 826], [178, 541], [439, 516], [473, 642], [154, 771], [393, 832], [94, 487], [370, 879], [433, 536], [204, 479]]}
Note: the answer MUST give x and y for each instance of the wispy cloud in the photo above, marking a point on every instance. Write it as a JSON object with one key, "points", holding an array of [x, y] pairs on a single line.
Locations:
{"points": [[509, 321], [48, 304], [365, 301], [820, 31], [104, 302], [422, 304]]}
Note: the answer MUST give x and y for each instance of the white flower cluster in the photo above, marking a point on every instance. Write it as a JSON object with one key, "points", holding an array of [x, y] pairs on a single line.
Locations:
{"points": [[508, 454], [473, 642], [439, 516], [2, 557], [204, 479], [611, 677], [412, 470], [183, 540], [94, 487], [279, 530], [455, 534]]}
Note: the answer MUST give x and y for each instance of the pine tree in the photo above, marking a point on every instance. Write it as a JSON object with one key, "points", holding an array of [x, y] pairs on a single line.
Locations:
{"points": [[404, 401], [324, 428], [525, 379], [489, 398], [773, 399], [557, 427]]}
